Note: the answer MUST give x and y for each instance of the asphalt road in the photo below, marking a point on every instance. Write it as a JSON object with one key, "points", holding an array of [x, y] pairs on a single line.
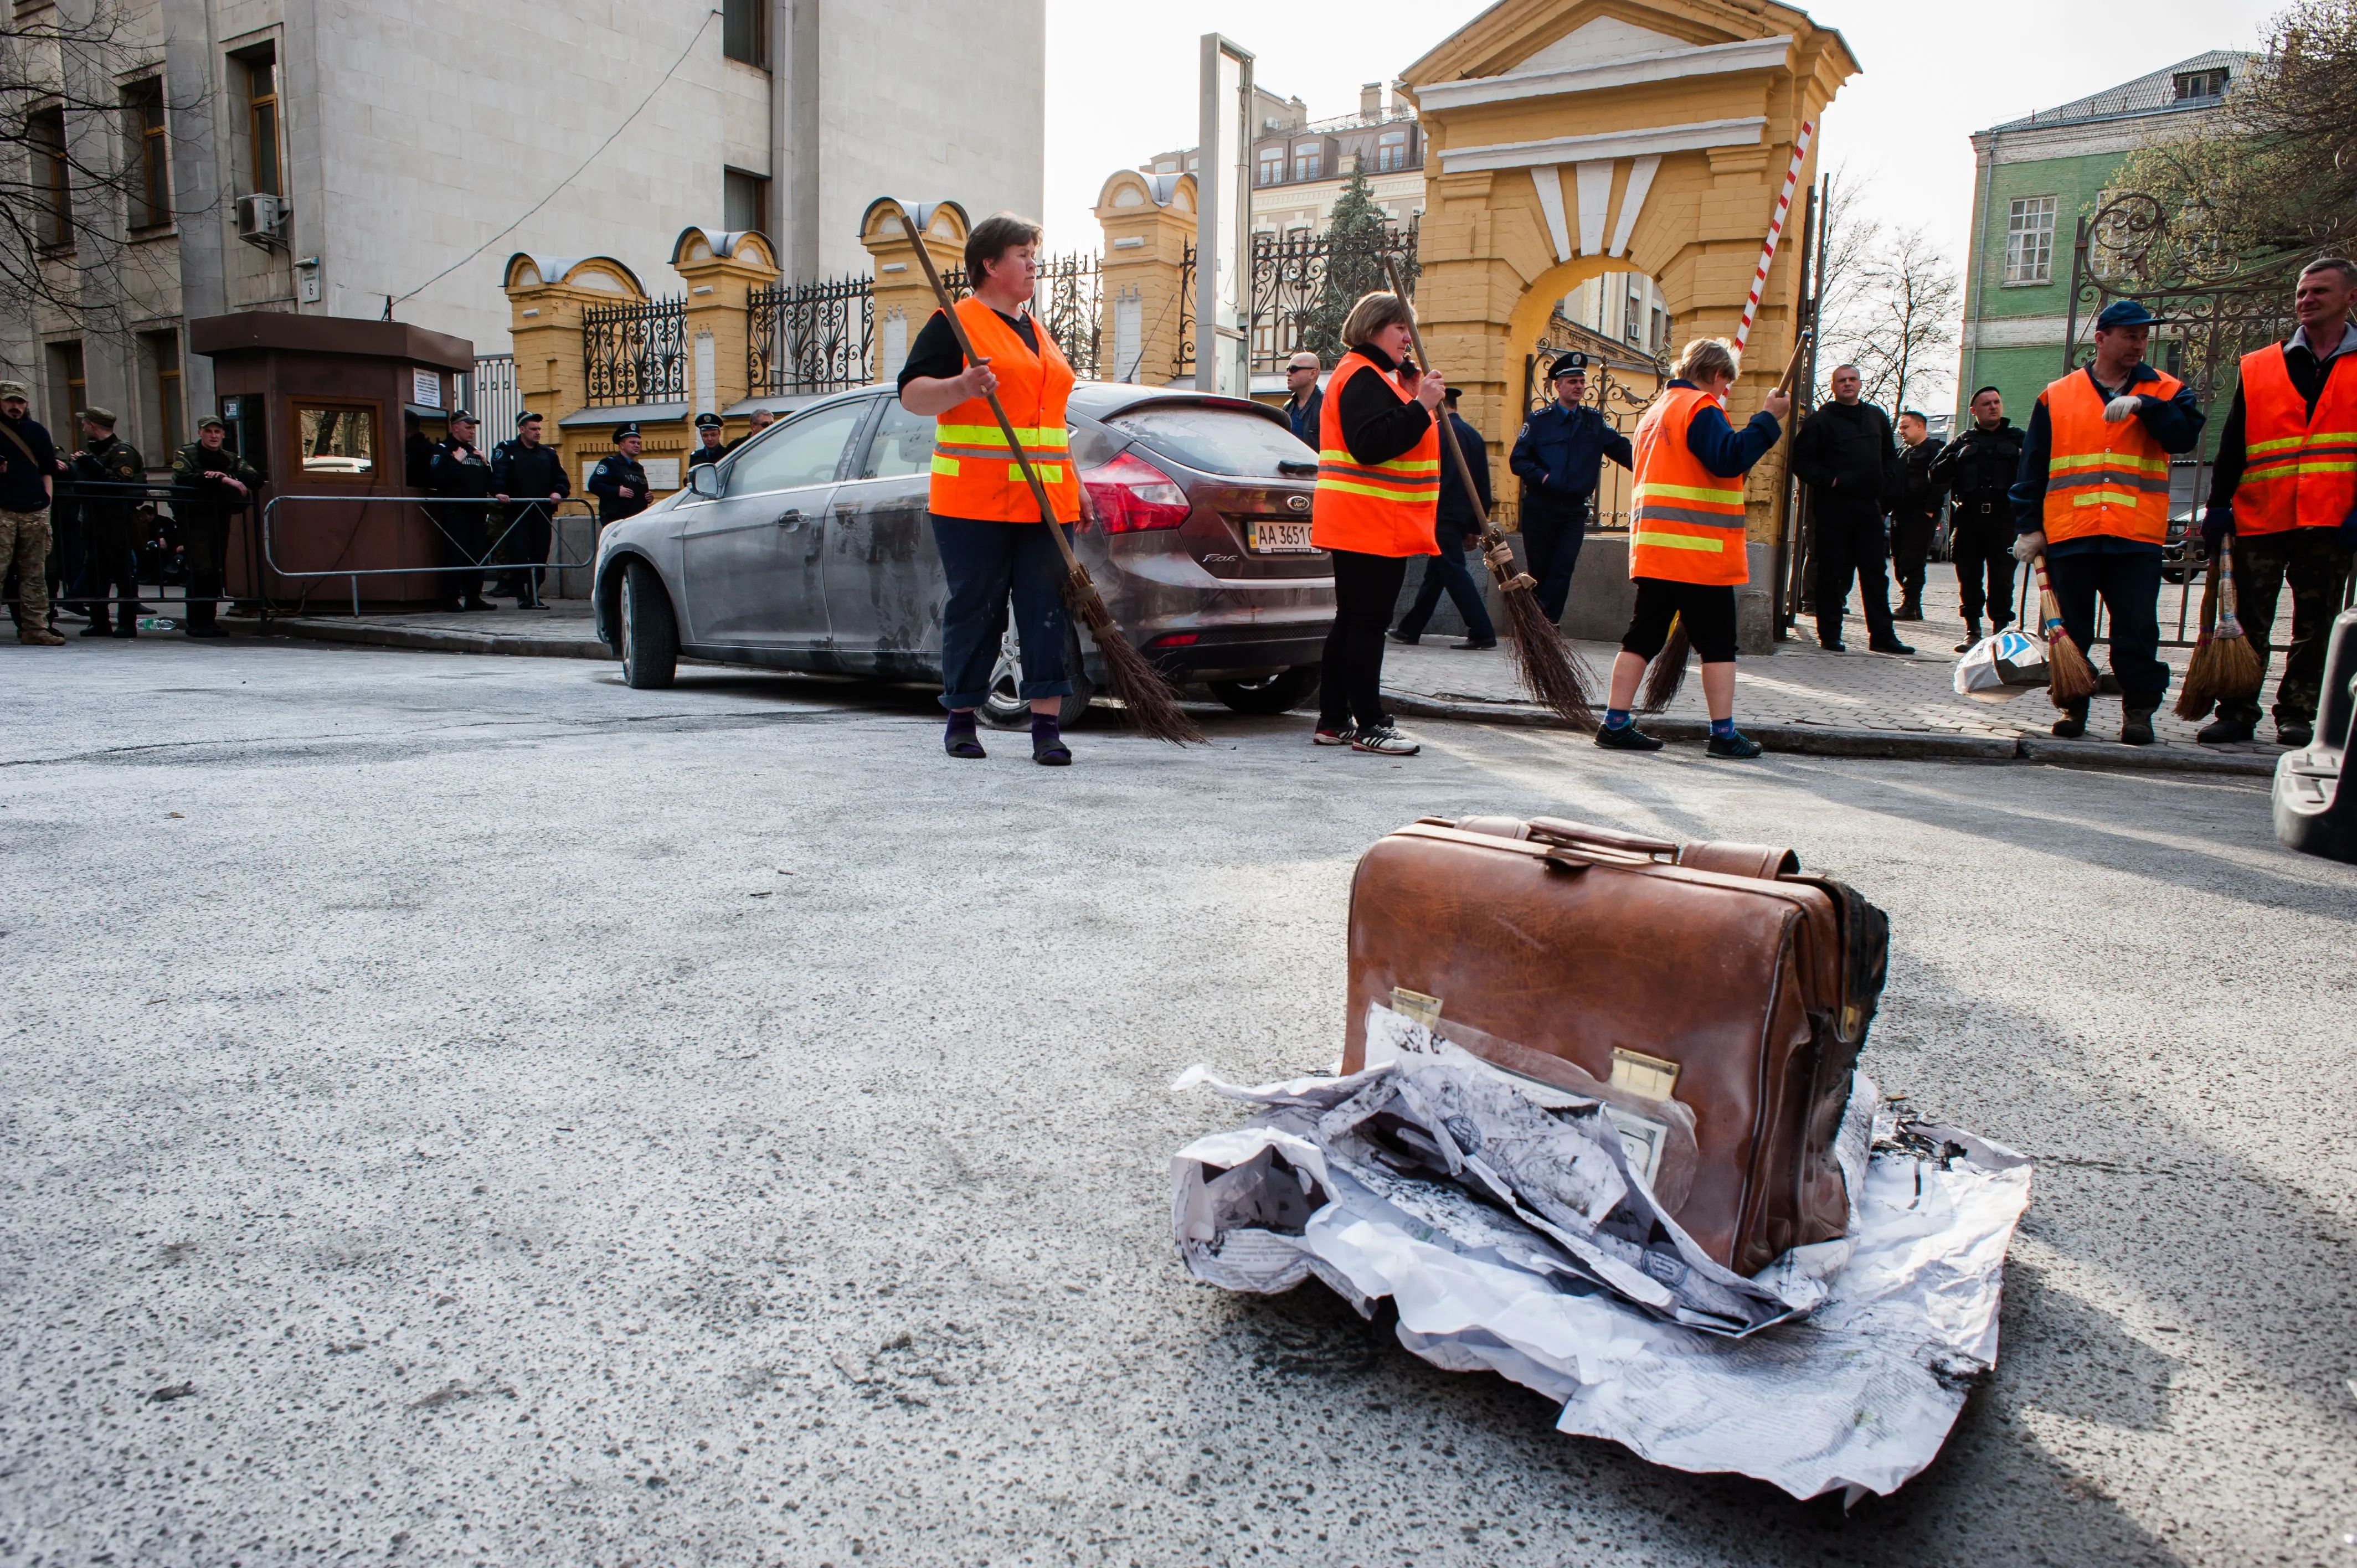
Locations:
{"points": [[463, 1110]]}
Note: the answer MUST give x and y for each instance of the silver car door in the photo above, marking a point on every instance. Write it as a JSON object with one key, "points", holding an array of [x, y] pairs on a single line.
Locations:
{"points": [[752, 560], [884, 582]]}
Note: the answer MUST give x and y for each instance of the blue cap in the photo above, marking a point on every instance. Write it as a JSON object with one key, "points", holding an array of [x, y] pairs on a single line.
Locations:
{"points": [[1572, 364], [626, 432], [2127, 313]]}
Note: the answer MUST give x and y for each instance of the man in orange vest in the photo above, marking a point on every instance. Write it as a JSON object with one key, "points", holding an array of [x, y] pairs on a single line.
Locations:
{"points": [[2093, 498], [1686, 539], [2286, 488]]}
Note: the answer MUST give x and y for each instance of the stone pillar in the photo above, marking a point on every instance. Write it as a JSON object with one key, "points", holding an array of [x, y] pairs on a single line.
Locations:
{"points": [[545, 299], [722, 271], [1149, 222], [903, 298], [1475, 262]]}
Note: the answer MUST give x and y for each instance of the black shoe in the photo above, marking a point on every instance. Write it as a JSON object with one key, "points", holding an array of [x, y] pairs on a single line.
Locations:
{"points": [[97, 628], [1628, 738], [1470, 647], [2136, 725], [479, 602], [1889, 645], [1911, 610], [2072, 724], [210, 628], [1737, 745], [1972, 637], [126, 630], [2224, 731], [1831, 647], [1405, 638], [2294, 731]]}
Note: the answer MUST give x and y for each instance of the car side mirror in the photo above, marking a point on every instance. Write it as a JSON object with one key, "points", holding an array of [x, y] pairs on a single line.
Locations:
{"points": [[704, 479]]}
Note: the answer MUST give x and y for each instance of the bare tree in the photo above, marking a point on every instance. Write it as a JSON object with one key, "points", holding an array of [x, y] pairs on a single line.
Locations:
{"points": [[1893, 303]]}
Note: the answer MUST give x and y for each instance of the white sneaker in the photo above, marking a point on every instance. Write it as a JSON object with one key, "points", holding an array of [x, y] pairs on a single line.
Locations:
{"points": [[1386, 742]]}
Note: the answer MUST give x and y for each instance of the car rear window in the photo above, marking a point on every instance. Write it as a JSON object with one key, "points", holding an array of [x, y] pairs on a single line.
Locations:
{"points": [[1215, 440]]}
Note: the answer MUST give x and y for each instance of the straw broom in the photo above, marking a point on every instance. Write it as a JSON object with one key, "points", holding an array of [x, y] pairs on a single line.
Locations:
{"points": [[1149, 703], [2070, 679], [2197, 693], [2238, 669], [1543, 661], [1668, 672]]}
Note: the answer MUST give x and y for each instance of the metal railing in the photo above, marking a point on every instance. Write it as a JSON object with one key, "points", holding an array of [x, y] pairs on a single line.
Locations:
{"points": [[490, 560], [158, 556], [490, 393], [636, 353]]}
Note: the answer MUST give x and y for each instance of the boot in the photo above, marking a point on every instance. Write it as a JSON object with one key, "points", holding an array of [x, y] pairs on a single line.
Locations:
{"points": [[38, 637], [1971, 636], [2225, 731], [2135, 720], [2073, 722], [1910, 608], [2295, 730]]}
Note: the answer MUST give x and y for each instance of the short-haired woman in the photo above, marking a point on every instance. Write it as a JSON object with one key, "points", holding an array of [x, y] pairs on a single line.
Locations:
{"points": [[1686, 539], [1378, 495], [985, 520]]}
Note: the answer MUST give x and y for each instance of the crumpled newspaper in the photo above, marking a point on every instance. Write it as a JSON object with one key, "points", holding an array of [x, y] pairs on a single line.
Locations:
{"points": [[1508, 1224]]}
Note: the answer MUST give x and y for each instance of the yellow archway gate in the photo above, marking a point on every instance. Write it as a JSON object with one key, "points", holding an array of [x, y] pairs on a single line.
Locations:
{"points": [[1564, 140]]}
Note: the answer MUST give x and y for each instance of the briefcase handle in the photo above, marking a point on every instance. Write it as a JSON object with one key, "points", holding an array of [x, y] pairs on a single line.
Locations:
{"points": [[1555, 830], [1726, 857]]}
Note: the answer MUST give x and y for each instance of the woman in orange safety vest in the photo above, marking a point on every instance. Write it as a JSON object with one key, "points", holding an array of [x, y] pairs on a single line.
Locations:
{"points": [[985, 520], [1686, 539], [1378, 498]]}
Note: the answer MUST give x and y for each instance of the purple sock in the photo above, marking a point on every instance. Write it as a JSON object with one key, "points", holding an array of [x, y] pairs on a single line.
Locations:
{"points": [[960, 724], [1044, 732]]}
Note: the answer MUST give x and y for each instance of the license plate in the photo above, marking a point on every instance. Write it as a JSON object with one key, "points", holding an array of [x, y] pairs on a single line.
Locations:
{"points": [[1263, 537]]}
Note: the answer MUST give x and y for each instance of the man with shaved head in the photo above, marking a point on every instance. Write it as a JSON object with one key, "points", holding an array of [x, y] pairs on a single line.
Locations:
{"points": [[1844, 453]]}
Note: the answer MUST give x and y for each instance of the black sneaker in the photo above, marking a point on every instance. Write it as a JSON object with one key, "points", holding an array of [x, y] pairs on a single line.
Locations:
{"points": [[1473, 647], [1889, 645], [1739, 746], [1628, 738], [1832, 647], [1407, 638]]}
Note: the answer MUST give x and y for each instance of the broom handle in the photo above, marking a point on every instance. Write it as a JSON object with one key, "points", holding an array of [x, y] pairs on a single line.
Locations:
{"points": [[1440, 414], [1006, 426], [2226, 577]]}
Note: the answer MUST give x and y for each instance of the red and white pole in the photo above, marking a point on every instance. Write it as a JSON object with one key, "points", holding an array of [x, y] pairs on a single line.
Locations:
{"points": [[1775, 231]]}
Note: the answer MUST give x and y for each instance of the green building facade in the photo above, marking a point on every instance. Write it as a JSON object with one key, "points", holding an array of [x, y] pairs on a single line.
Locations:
{"points": [[2034, 180]]}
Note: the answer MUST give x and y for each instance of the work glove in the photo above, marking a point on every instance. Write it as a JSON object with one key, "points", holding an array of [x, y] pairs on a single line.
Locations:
{"points": [[2028, 547], [2122, 407], [2216, 524]]}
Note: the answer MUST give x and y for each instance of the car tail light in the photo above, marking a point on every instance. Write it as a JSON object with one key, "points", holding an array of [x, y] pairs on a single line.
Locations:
{"points": [[1176, 639], [1133, 495]]}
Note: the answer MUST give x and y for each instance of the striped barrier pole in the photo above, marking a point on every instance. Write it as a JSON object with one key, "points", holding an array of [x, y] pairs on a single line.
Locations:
{"points": [[1775, 231]]}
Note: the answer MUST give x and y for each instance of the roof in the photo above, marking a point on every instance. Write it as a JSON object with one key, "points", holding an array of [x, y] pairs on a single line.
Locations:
{"points": [[2155, 94]]}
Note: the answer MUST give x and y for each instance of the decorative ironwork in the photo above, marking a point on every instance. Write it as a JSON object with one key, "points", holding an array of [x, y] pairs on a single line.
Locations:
{"points": [[490, 392], [1622, 383], [1290, 295], [1182, 364], [636, 353], [1065, 299], [809, 337]]}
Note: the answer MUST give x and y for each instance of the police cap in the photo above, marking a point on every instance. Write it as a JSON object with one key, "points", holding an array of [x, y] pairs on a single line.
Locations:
{"points": [[526, 417], [1572, 364], [707, 422], [463, 416], [2125, 312], [625, 432]]}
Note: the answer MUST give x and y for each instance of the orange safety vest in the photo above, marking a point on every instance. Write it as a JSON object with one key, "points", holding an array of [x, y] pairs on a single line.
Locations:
{"points": [[1372, 509], [974, 476], [1685, 523], [2300, 469], [2103, 478]]}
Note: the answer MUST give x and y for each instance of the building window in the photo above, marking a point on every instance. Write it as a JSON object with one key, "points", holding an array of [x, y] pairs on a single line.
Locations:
{"points": [[2200, 84], [1272, 165], [2030, 241], [45, 132], [164, 364], [1390, 151], [1305, 162], [743, 35], [744, 201], [68, 388], [150, 183], [262, 121], [336, 442]]}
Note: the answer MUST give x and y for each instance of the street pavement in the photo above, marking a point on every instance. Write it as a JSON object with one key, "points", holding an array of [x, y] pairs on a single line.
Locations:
{"points": [[460, 1109]]}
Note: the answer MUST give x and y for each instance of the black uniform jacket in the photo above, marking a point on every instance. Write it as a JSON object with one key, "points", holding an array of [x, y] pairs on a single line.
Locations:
{"points": [[198, 493], [528, 473], [613, 475], [1843, 452], [102, 463], [704, 454], [458, 469], [1559, 456], [1918, 499], [1978, 468]]}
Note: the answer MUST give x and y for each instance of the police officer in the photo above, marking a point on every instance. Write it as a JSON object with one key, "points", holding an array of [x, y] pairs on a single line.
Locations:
{"points": [[1914, 512], [460, 470], [618, 482], [209, 482], [1978, 469], [709, 448], [529, 471], [109, 529], [1559, 456]]}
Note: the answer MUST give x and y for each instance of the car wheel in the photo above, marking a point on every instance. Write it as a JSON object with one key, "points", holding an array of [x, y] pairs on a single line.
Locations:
{"points": [[1278, 694], [1005, 708], [650, 634]]}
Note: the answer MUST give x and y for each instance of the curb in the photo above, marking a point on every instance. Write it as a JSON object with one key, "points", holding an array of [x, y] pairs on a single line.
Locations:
{"points": [[1813, 740], [431, 640]]}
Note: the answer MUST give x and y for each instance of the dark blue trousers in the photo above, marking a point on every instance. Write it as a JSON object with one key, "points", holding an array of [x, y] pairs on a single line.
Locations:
{"points": [[1551, 536], [2129, 584], [1448, 572], [986, 563]]}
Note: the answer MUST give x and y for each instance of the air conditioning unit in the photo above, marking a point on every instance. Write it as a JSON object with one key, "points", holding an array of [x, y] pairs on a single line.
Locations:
{"points": [[262, 220]]}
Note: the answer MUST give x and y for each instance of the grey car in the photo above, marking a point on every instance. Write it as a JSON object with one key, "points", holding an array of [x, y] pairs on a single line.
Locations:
{"points": [[807, 548]]}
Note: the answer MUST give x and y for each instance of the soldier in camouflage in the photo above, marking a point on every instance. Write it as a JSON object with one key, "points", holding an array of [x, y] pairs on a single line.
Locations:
{"points": [[209, 482], [109, 530]]}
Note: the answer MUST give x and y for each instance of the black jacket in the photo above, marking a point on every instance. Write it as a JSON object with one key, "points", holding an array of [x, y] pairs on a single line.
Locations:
{"points": [[1456, 508], [1844, 453], [1559, 456], [198, 493], [1980, 464], [459, 470], [1918, 499], [528, 473], [614, 474], [99, 467]]}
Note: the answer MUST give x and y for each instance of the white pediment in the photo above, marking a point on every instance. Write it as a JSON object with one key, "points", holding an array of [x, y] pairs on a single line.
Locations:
{"points": [[1603, 42]]}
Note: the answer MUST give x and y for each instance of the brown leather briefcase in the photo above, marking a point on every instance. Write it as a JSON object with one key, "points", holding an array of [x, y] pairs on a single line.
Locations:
{"points": [[1715, 999]]}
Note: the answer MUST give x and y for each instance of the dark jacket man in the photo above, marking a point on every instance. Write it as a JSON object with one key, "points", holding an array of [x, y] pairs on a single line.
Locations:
{"points": [[1914, 519], [1304, 416], [1457, 523], [529, 472], [1559, 457], [109, 532], [28, 462], [614, 473], [1845, 454], [1977, 470], [461, 471], [209, 483]]}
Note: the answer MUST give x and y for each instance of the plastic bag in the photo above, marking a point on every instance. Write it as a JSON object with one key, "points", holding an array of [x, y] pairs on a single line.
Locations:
{"points": [[2000, 668]]}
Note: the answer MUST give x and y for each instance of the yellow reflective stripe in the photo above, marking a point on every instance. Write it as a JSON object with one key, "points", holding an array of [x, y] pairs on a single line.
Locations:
{"points": [[1690, 493], [1047, 438], [1381, 493], [947, 466], [1679, 542], [2107, 498], [1050, 473], [2111, 460], [2255, 447], [1397, 466]]}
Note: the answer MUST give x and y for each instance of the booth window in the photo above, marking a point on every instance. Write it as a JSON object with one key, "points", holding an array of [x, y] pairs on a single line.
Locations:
{"points": [[337, 442], [150, 184]]}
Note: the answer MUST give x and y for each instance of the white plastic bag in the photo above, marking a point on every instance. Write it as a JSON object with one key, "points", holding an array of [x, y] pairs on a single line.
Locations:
{"points": [[2000, 668]]}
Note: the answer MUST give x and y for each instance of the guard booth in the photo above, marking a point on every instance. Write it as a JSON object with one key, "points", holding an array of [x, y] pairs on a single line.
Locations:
{"points": [[320, 404]]}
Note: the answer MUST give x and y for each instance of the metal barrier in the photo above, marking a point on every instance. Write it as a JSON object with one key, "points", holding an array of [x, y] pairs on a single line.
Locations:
{"points": [[487, 563], [159, 499]]}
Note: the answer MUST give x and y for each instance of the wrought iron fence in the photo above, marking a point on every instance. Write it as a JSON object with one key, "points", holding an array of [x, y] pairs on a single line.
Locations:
{"points": [[1295, 302], [811, 337], [1065, 299], [490, 392], [636, 353]]}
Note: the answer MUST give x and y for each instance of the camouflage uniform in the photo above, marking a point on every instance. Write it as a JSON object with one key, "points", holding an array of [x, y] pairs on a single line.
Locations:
{"points": [[2317, 566], [203, 504], [110, 533]]}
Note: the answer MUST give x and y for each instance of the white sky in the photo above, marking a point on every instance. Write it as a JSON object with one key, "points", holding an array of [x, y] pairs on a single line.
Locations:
{"points": [[1121, 81]]}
